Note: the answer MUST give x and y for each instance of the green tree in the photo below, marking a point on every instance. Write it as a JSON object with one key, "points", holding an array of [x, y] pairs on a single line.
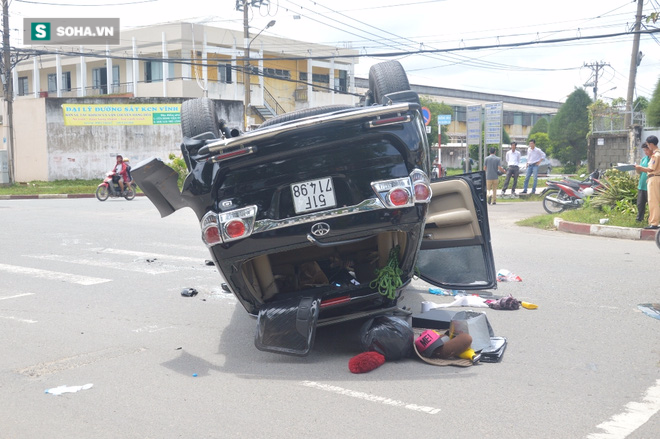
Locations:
{"points": [[541, 126], [568, 129], [542, 141], [436, 110], [640, 104], [653, 110]]}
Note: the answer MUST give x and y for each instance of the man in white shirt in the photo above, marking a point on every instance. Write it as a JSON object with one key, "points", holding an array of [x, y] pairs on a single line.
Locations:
{"points": [[513, 162], [534, 157]]}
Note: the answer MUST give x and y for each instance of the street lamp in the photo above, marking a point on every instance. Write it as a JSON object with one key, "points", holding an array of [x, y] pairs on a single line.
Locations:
{"points": [[246, 72]]}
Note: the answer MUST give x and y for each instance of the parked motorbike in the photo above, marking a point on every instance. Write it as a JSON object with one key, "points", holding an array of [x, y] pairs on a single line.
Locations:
{"points": [[568, 193], [576, 184], [108, 188]]}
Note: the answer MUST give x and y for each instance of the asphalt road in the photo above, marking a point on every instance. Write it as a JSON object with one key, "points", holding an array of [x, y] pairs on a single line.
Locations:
{"points": [[90, 294]]}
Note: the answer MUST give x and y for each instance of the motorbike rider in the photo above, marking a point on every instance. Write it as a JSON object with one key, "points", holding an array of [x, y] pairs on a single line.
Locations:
{"points": [[120, 175]]}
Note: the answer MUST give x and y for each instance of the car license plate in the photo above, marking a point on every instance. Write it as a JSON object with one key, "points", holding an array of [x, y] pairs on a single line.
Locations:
{"points": [[313, 195]]}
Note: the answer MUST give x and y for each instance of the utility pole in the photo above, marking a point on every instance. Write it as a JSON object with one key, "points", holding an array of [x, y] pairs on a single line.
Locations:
{"points": [[635, 59], [8, 86], [246, 63], [595, 67]]}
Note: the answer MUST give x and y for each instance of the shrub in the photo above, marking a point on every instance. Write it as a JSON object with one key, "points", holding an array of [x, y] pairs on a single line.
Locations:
{"points": [[619, 192], [179, 165]]}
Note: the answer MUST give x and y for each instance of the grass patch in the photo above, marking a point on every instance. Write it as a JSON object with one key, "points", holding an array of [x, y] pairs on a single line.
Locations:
{"points": [[584, 215], [51, 187]]}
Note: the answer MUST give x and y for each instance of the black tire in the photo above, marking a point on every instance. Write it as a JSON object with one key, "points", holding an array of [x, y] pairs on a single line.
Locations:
{"points": [[198, 116], [102, 193], [306, 112], [130, 193], [657, 238], [387, 77], [550, 206]]}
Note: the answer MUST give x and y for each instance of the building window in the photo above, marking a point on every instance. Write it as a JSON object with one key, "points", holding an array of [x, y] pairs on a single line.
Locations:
{"points": [[52, 82], [100, 80], [341, 83], [224, 73], [277, 73], [322, 79], [153, 71], [66, 81], [23, 86], [115, 76]]}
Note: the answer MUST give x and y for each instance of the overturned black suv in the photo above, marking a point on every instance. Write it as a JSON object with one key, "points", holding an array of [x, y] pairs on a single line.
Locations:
{"points": [[324, 215]]}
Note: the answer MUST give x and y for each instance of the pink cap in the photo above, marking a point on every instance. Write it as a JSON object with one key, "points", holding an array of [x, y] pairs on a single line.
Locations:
{"points": [[428, 342]]}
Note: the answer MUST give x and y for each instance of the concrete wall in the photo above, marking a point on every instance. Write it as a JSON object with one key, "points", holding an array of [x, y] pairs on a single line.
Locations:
{"points": [[46, 149], [30, 144], [608, 149]]}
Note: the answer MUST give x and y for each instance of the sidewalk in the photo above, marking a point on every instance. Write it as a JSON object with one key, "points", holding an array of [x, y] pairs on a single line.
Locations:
{"points": [[633, 233]]}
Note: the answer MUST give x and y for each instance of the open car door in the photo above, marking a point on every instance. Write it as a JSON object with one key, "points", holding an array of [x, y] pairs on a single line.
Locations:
{"points": [[456, 252]]}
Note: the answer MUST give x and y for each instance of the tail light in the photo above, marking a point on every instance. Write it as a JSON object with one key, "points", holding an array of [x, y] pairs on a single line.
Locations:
{"points": [[421, 186], [399, 197], [228, 226], [404, 192]]}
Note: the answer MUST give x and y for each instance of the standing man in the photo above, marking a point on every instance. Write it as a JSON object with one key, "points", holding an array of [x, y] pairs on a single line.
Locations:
{"points": [[491, 166], [534, 157], [513, 162], [642, 194], [652, 182]]}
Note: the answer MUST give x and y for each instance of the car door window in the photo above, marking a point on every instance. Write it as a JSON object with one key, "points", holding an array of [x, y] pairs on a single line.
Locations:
{"points": [[456, 251]]}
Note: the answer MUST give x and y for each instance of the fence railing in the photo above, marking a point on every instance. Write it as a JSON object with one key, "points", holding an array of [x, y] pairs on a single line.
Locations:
{"points": [[614, 121], [270, 100]]}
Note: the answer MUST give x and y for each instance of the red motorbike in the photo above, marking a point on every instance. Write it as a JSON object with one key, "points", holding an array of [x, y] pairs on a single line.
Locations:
{"points": [[110, 188], [568, 193]]}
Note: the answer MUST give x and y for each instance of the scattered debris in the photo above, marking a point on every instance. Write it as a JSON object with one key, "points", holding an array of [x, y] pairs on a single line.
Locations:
{"points": [[67, 389], [507, 276], [504, 303], [472, 301], [209, 262], [528, 305], [189, 292], [150, 260], [650, 309], [444, 292]]}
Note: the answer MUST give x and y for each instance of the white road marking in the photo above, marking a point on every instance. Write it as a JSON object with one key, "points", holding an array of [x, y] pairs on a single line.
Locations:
{"points": [[636, 414], [54, 275], [17, 295], [132, 266], [370, 398], [114, 251], [152, 328], [17, 319]]}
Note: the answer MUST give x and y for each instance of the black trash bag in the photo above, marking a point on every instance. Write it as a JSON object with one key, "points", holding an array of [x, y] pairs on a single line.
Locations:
{"points": [[390, 336]]}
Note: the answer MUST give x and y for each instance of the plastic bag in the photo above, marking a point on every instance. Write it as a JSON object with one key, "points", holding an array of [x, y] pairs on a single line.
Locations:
{"points": [[390, 336]]}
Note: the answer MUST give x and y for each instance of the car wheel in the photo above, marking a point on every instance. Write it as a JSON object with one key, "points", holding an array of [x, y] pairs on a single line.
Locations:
{"points": [[387, 77], [306, 112], [198, 116]]}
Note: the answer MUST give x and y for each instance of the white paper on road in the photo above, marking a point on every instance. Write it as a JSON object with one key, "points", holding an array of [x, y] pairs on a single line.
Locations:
{"points": [[68, 389]]}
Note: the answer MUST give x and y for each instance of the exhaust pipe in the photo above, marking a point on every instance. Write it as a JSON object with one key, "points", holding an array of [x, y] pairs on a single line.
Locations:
{"points": [[571, 202]]}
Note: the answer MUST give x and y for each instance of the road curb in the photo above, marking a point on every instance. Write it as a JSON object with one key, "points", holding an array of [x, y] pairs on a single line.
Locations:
{"points": [[605, 231]]}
